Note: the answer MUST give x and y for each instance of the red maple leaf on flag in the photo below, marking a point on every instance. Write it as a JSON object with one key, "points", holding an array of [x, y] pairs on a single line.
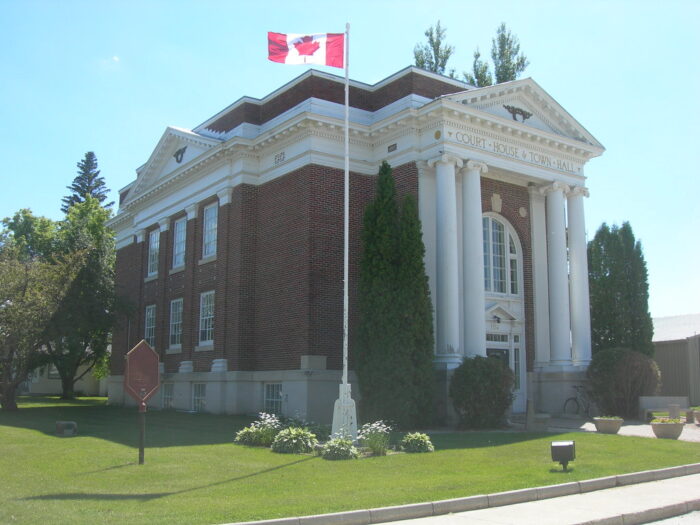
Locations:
{"points": [[307, 46]]}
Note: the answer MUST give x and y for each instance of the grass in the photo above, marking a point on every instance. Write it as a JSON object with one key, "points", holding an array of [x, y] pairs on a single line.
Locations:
{"points": [[195, 474]]}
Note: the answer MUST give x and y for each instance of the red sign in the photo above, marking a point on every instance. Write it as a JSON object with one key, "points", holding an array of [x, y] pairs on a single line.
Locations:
{"points": [[142, 374]]}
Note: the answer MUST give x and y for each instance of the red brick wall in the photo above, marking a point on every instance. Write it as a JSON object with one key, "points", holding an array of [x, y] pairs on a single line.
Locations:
{"points": [[333, 91], [278, 271]]}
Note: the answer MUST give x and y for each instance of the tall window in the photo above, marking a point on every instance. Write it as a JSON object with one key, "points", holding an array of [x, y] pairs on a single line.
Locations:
{"points": [[150, 325], [153, 248], [273, 398], [210, 225], [179, 232], [167, 392], [176, 322], [500, 258], [206, 318], [199, 397]]}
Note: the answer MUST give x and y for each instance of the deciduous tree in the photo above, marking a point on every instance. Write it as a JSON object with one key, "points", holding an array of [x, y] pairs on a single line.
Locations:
{"points": [[434, 54], [508, 62]]}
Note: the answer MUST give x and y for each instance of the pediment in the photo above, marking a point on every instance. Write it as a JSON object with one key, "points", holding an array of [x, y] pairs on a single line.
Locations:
{"points": [[495, 310], [175, 149], [524, 102]]}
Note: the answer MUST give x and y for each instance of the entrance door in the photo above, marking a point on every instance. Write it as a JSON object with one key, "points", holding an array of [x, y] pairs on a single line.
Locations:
{"points": [[509, 349]]}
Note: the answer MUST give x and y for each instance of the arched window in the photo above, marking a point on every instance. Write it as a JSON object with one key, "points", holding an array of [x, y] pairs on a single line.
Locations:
{"points": [[500, 258]]}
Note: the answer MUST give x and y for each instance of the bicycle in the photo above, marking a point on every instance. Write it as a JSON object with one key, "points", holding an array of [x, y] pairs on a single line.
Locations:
{"points": [[575, 404]]}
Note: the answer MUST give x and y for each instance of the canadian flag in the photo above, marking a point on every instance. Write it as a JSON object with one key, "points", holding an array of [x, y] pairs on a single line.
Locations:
{"points": [[323, 48]]}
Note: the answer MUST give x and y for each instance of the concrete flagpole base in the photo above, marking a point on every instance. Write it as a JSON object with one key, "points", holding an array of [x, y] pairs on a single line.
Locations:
{"points": [[345, 414]]}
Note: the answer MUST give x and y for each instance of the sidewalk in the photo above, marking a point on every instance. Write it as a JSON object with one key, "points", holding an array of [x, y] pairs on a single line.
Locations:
{"points": [[640, 503]]}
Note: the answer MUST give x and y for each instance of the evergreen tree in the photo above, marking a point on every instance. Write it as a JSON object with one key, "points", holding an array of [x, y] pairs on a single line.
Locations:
{"points": [[508, 62], [433, 55], [394, 344], [88, 183], [619, 291]]}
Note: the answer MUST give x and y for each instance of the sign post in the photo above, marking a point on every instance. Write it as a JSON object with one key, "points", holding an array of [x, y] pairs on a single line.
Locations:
{"points": [[141, 381]]}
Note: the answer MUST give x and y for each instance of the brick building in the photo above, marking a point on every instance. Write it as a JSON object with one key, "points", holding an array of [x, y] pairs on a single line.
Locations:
{"points": [[230, 239]]}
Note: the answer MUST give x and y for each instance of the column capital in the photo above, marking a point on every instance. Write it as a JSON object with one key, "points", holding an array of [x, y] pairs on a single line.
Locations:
{"points": [[192, 210], [555, 186], [575, 191], [445, 159], [224, 196], [476, 165]]}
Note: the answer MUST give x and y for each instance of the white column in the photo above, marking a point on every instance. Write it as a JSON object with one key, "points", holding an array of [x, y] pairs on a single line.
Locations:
{"points": [[540, 286], [578, 278], [559, 318], [473, 260], [447, 307]]}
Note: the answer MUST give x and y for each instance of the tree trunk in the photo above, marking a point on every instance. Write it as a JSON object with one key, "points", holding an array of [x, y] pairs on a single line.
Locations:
{"points": [[67, 384], [8, 399]]}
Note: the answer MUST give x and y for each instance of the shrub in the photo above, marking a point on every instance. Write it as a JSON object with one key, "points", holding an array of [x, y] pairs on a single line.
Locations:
{"points": [[481, 390], [417, 442], [339, 447], [666, 420], [294, 440], [375, 436], [260, 433], [322, 432], [618, 376]]}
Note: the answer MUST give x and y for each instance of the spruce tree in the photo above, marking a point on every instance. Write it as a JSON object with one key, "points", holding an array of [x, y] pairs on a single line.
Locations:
{"points": [[394, 344], [88, 183], [619, 291]]}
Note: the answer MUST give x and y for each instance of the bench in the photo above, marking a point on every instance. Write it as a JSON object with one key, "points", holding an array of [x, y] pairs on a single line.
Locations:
{"points": [[650, 404]]}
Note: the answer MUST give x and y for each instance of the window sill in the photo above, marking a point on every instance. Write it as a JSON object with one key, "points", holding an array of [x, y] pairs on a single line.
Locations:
{"points": [[175, 349], [204, 347], [205, 260], [150, 278], [176, 270]]}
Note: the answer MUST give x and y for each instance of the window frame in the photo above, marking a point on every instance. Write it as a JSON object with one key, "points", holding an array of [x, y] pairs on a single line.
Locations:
{"points": [[149, 329], [179, 242], [210, 226], [208, 319], [175, 323], [272, 404], [512, 260], [153, 253], [199, 399], [167, 396]]}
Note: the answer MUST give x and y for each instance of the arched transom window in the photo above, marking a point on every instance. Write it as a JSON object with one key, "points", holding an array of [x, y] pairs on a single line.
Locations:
{"points": [[500, 258]]}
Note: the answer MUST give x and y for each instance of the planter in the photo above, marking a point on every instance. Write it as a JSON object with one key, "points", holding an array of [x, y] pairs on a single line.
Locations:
{"points": [[667, 430], [607, 425], [696, 416]]}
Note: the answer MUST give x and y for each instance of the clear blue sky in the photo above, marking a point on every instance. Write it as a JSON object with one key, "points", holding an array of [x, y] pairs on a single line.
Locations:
{"points": [[109, 76]]}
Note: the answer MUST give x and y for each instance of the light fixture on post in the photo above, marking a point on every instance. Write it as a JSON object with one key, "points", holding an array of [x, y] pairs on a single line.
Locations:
{"points": [[563, 452]]}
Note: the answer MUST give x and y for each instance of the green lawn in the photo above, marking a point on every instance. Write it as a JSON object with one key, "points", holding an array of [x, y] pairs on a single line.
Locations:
{"points": [[195, 474]]}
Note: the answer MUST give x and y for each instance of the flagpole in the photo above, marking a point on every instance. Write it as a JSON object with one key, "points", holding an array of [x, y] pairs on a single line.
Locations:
{"points": [[344, 412]]}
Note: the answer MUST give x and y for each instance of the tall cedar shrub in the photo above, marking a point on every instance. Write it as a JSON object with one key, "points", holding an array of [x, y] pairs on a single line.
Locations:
{"points": [[619, 291], [395, 334], [481, 390], [618, 376]]}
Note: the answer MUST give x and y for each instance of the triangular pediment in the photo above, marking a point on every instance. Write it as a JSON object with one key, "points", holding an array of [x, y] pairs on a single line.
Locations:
{"points": [[525, 103], [176, 149], [496, 311]]}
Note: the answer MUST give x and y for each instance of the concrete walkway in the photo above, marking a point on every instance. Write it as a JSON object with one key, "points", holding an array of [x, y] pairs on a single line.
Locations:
{"points": [[639, 503]]}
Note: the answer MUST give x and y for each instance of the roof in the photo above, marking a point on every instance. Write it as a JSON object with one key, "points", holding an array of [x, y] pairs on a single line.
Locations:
{"points": [[676, 327]]}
